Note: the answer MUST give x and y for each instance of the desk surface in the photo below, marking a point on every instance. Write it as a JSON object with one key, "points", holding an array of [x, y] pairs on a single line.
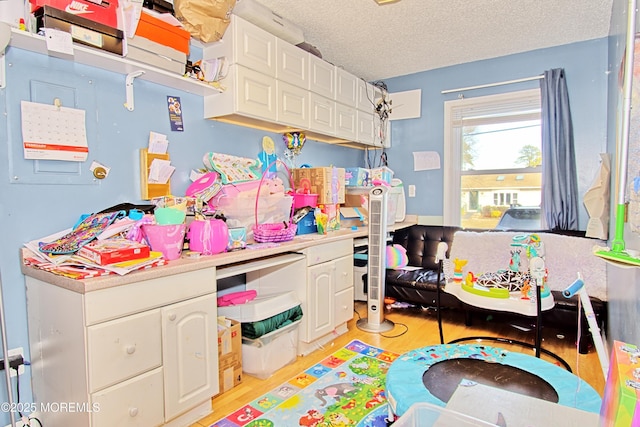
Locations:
{"points": [[184, 264]]}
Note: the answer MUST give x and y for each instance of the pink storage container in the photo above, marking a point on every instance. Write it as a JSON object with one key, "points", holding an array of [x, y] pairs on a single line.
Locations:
{"points": [[208, 237], [301, 200]]}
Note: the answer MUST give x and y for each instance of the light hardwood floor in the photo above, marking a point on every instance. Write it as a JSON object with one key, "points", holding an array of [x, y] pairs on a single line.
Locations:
{"points": [[414, 328]]}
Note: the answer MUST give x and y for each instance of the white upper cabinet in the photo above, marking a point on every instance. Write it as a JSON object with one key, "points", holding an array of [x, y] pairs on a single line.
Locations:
{"points": [[346, 87], [366, 95], [292, 64], [245, 44], [293, 105], [346, 122], [321, 77], [322, 117], [276, 86]]}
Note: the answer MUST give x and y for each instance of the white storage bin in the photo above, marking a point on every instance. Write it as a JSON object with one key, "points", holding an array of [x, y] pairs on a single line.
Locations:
{"points": [[263, 356], [261, 307], [425, 414]]}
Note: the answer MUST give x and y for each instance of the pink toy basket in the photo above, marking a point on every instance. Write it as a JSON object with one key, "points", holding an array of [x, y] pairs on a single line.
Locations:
{"points": [[274, 232]]}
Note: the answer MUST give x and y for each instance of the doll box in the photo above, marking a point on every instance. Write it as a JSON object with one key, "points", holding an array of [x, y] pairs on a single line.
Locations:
{"points": [[620, 407]]}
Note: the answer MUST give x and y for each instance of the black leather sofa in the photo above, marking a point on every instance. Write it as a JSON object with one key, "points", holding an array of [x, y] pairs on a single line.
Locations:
{"points": [[418, 286]]}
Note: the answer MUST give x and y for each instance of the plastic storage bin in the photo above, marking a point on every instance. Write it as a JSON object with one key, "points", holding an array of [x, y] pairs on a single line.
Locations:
{"points": [[264, 355], [425, 414]]}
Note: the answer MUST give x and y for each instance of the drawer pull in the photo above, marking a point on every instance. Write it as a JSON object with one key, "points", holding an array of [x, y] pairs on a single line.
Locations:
{"points": [[172, 317], [131, 349], [133, 412]]}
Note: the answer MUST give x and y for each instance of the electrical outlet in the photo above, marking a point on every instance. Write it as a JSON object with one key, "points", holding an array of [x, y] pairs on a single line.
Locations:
{"points": [[412, 191], [19, 351]]}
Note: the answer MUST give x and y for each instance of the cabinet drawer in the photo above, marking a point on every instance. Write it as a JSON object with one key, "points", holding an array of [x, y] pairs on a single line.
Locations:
{"points": [[137, 402], [344, 273], [123, 348], [328, 251], [111, 303], [343, 306]]}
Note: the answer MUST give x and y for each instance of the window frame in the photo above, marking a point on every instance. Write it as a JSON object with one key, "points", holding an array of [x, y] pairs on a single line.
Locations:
{"points": [[454, 112]]}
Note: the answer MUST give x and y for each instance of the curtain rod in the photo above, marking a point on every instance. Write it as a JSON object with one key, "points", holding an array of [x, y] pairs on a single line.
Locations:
{"points": [[508, 82]]}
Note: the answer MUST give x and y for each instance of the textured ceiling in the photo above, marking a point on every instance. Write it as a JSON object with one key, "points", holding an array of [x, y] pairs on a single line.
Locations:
{"points": [[376, 42]]}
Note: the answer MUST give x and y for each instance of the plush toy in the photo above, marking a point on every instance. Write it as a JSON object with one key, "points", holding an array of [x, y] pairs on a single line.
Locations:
{"points": [[275, 185], [396, 257]]}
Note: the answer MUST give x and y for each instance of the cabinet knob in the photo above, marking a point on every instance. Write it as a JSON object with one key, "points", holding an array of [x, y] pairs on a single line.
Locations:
{"points": [[131, 349], [133, 412], [172, 317]]}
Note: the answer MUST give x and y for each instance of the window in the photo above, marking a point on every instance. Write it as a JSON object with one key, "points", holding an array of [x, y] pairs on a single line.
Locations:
{"points": [[493, 157]]}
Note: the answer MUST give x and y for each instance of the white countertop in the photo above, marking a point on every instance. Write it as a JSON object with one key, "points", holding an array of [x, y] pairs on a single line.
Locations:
{"points": [[185, 264]]}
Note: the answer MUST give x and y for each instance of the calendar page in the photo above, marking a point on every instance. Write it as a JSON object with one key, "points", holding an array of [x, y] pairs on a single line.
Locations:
{"points": [[51, 132]]}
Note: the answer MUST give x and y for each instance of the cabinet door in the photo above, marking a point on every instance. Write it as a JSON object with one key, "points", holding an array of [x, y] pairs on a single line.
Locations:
{"points": [[293, 64], [346, 126], [190, 354], [293, 105], [365, 127], [322, 114], [256, 94], [320, 297], [344, 289], [367, 93], [321, 77], [346, 87], [254, 47]]}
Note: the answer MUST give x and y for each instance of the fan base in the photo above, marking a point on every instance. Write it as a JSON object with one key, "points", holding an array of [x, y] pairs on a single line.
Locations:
{"points": [[386, 325]]}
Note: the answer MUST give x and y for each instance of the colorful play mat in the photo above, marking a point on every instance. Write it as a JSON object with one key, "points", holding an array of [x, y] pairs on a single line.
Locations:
{"points": [[431, 374]]}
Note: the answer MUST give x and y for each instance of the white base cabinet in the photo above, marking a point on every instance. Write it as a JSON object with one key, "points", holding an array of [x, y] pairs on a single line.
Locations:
{"points": [[327, 295], [142, 354]]}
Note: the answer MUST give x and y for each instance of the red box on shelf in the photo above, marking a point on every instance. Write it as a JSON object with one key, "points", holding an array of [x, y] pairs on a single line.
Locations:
{"points": [[110, 251], [104, 12]]}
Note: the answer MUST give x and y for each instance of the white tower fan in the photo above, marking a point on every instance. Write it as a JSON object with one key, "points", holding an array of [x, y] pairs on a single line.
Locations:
{"points": [[375, 322]]}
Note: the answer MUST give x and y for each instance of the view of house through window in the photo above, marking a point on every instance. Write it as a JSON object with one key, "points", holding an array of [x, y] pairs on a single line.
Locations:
{"points": [[497, 161]]}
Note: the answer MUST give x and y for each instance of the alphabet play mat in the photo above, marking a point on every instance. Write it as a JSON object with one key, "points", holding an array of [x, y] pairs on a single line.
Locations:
{"points": [[345, 389]]}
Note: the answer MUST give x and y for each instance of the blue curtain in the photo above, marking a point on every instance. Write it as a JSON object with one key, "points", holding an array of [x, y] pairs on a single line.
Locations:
{"points": [[559, 177]]}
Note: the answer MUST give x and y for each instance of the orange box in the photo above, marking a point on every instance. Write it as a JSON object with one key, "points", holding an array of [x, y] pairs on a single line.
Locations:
{"points": [[161, 32]]}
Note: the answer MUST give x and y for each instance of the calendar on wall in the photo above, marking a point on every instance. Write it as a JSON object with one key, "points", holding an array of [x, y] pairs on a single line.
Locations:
{"points": [[53, 132]]}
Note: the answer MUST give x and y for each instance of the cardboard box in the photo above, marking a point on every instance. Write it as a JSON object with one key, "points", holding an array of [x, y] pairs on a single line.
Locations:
{"points": [[82, 30], [353, 216], [327, 182], [111, 251], [620, 404], [357, 177], [161, 32], [383, 174], [105, 12], [229, 355]]}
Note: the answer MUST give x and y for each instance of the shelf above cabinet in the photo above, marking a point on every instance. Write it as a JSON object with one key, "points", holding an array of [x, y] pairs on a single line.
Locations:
{"points": [[111, 62]]}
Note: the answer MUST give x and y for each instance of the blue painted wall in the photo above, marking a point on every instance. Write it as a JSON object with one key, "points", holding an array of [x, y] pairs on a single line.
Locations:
{"points": [[585, 65], [29, 211]]}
